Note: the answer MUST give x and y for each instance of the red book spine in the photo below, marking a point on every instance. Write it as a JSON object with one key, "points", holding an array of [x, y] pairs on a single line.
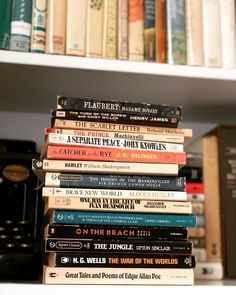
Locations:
{"points": [[194, 188], [60, 152]]}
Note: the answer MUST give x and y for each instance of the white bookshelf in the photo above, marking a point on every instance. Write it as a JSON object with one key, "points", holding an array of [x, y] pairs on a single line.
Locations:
{"points": [[30, 83]]}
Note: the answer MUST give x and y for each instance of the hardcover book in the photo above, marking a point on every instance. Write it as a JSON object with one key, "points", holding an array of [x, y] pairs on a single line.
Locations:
{"points": [[5, 23], [176, 32], [38, 30], [109, 48], [21, 25], [136, 30], [76, 14], [194, 33], [94, 33], [160, 26], [122, 29], [56, 27], [149, 30]]}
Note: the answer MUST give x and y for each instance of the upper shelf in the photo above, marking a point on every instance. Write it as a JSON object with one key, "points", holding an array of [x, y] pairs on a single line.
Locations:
{"points": [[30, 82]]}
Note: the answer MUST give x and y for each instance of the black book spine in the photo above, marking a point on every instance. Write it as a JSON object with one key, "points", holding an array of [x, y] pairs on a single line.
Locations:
{"points": [[170, 121], [75, 259], [130, 246], [117, 232], [115, 181], [115, 106]]}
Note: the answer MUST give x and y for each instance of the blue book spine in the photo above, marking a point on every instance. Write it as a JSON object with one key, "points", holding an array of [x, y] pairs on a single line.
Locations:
{"points": [[86, 217], [116, 181], [149, 30]]}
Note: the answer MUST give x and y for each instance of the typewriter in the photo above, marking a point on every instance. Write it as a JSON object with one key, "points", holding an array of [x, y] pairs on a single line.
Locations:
{"points": [[20, 212]]}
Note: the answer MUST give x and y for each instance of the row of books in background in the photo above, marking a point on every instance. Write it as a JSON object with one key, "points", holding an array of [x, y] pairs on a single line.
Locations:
{"points": [[212, 162], [192, 32], [116, 210]]}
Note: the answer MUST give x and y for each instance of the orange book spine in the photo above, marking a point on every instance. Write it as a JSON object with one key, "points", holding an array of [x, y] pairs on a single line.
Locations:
{"points": [[61, 152], [160, 32]]}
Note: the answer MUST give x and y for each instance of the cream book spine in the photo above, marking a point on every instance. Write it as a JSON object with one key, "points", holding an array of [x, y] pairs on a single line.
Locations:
{"points": [[211, 33], [76, 27], [110, 29], [136, 30], [38, 27], [117, 276], [122, 30], [228, 31], [56, 27], [194, 33], [94, 28]]}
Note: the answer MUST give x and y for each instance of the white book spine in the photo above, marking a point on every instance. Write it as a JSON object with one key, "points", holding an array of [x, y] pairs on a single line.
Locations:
{"points": [[76, 27], [123, 194], [228, 31], [211, 33], [117, 205], [119, 276], [74, 140]]}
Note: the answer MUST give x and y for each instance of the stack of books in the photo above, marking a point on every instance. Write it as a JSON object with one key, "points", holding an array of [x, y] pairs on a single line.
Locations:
{"points": [[116, 211]]}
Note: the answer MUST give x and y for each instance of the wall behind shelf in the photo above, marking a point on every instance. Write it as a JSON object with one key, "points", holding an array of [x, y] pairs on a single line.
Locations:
{"points": [[30, 126]]}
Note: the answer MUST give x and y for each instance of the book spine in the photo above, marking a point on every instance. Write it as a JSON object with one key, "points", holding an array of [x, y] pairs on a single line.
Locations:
{"points": [[115, 106], [116, 205], [88, 231], [94, 35], [5, 23], [211, 33], [144, 219], [194, 33], [196, 197], [136, 30], [21, 25], [122, 194], [86, 153], [208, 271], [100, 181], [122, 135], [38, 30], [194, 187], [149, 30], [176, 35], [228, 31], [104, 167], [117, 276], [131, 246], [56, 27], [128, 128], [110, 29], [91, 141], [196, 232], [200, 254], [212, 200], [198, 208], [160, 121], [71, 259], [160, 25], [76, 27], [122, 30]]}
